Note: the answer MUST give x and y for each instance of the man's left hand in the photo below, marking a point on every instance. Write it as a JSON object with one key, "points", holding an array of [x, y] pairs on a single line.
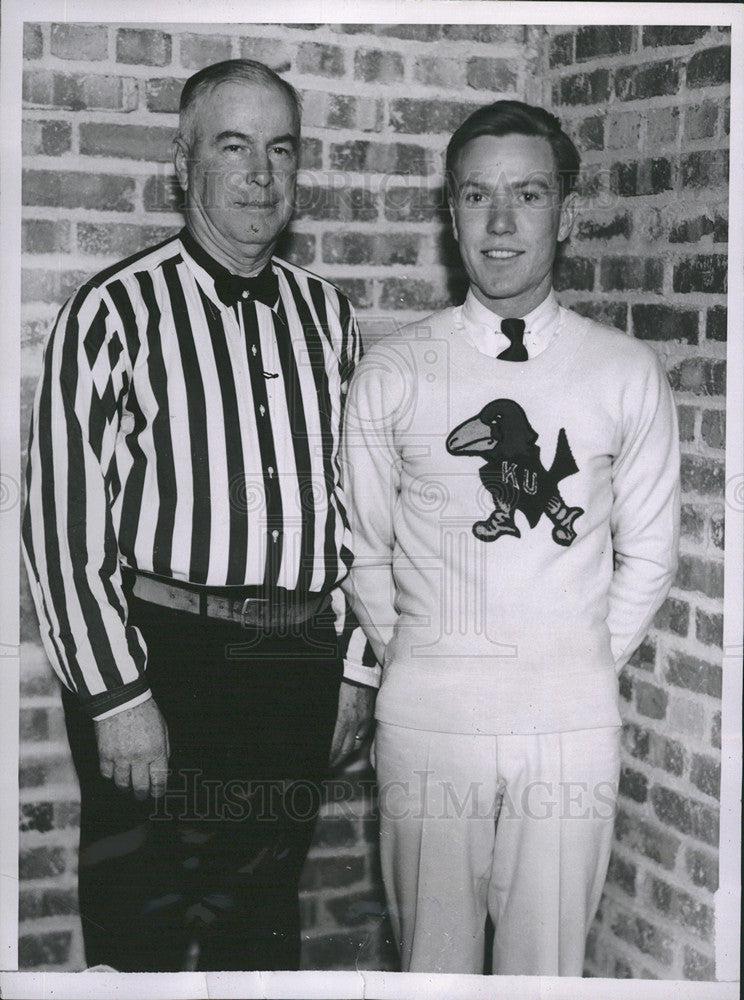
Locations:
{"points": [[355, 706]]}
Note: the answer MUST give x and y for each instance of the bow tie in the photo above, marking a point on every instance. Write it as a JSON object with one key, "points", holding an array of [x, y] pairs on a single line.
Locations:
{"points": [[514, 330], [262, 287]]}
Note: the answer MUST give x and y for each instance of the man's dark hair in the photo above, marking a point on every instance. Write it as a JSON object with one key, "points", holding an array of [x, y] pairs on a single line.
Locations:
{"points": [[245, 70], [515, 117]]}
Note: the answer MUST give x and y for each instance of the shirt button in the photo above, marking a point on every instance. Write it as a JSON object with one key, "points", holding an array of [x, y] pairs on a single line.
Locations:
{"points": [[245, 295]]}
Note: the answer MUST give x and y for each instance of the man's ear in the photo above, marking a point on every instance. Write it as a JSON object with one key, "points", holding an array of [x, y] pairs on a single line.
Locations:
{"points": [[569, 209], [181, 161], [451, 206]]}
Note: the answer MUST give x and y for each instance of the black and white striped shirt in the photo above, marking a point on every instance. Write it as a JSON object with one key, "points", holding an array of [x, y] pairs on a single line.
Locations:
{"points": [[184, 438]]}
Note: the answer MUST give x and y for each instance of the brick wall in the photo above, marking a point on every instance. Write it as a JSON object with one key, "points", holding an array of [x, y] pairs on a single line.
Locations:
{"points": [[648, 107], [100, 103]]}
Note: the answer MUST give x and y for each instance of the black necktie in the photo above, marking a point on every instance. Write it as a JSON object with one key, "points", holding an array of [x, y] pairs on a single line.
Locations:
{"points": [[514, 330], [263, 287]]}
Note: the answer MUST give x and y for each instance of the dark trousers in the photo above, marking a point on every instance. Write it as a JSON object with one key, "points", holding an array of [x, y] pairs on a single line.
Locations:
{"points": [[212, 869]]}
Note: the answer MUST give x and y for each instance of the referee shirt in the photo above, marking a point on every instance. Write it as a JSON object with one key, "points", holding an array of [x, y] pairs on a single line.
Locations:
{"points": [[181, 437]]}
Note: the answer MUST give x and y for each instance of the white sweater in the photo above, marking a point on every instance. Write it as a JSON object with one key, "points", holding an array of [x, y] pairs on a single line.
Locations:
{"points": [[487, 500]]}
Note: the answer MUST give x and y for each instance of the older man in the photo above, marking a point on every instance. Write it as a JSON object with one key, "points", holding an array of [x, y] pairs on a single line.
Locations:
{"points": [[513, 486], [185, 537]]}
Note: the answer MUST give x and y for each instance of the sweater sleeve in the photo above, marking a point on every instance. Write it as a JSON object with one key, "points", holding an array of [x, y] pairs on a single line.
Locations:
{"points": [[68, 535], [372, 471], [645, 513]]}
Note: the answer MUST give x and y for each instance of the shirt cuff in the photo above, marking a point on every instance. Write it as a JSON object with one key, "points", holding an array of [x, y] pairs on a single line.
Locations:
{"points": [[357, 673], [138, 699]]}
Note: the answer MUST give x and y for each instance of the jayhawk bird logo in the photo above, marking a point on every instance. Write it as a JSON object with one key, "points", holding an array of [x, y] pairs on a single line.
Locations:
{"points": [[513, 474]]}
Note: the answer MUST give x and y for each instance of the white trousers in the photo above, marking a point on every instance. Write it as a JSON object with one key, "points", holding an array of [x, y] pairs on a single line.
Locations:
{"points": [[519, 827]]}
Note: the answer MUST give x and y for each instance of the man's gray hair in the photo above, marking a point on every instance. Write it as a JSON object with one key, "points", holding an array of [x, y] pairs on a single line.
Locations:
{"points": [[245, 70]]}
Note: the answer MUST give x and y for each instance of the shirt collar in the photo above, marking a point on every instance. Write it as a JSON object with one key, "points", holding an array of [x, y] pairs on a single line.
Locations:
{"points": [[480, 323], [203, 265]]}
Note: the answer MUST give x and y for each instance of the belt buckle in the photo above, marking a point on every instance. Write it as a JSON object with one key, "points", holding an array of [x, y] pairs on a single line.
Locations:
{"points": [[244, 609]]}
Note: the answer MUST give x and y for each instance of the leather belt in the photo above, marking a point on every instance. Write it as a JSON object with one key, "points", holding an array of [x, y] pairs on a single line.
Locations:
{"points": [[260, 612]]}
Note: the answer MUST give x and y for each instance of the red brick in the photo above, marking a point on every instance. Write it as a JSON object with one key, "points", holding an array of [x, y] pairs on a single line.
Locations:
{"points": [[591, 133], [705, 168], [47, 903], [119, 239], [378, 66], [79, 41], [643, 935], [335, 832], [334, 873], [573, 273], [41, 862], [660, 322], [702, 868], [693, 674], [633, 785], [713, 428], [610, 313], [686, 815], [498, 75], [343, 204], [203, 50], [679, 907], [717, 526], [715, 731], [357, 290], [49, 286], [143, 46], [672, 34], [702, 475], [437, 71], [79, 91], [706, 273], [354, 112], [622, 873], [674, 616], [494, 33], [377, 248], [697, 966], [33, 724], [45, 236], [36, 816], [645, 656], [583, 88], [715, 323], [686, 419], [73, 189], [413, 204], [705, 775], [634, 83], [362, 156], [413, 294], [623, 130], [699, 574], [692, 230], [701, 120], [663, 126], [702, 376], [163, 94], [630, 273], [33, 41], [49, 138], [562, 49], [162, 194], [709, 67], [320, 60], [66, 814], [624, 179], [651, 700], [311, 153], [709, 628], [275, 54], [418, 116], [39, 951], [413, 32], [603, 40], [298, 248], [132, 142], [637, 834]]}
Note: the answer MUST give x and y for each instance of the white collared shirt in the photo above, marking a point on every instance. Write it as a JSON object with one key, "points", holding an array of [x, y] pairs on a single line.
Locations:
{"points": [[482, 327]]}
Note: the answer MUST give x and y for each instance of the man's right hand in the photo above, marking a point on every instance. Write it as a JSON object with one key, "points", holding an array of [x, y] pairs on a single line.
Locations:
{"points": [[133, 749]]}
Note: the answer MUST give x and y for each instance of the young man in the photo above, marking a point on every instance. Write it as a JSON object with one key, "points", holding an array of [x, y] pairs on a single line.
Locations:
{"points": [[512, 474], [185, 538]]}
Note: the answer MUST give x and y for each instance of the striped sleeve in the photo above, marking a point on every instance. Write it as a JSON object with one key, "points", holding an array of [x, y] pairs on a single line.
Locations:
{"points": [[360, 664], [69, 540]]}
